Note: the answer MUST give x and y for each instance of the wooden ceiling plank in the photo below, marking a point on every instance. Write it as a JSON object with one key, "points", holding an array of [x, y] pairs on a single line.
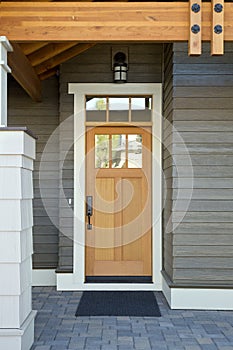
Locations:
{"points": [[23, 72], [49, 51], [48, 74], [62, 57], [29, 48]]}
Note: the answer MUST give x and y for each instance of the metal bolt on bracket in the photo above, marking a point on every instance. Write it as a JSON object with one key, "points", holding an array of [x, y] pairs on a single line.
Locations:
{"points": [[218, 8], [218, 29], [196, 8], [195, 29]]}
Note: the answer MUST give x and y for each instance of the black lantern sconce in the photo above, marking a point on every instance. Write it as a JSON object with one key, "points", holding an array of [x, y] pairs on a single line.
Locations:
{"points": [[120, 67]]}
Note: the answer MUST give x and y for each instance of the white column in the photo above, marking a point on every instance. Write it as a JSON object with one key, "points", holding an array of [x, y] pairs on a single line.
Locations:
{"points": [[4, 69], [17, 152]]}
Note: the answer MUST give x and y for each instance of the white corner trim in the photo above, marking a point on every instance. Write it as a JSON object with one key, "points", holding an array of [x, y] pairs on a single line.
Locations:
{"points": [[42, 278], [198, 298], [5, 42]]}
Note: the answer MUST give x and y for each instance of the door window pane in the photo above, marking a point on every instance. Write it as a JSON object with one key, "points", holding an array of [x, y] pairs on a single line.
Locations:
{"points": [[118, 151], [96, 109], [102, 151], [118, 109], [134, 151], [141, 109]]}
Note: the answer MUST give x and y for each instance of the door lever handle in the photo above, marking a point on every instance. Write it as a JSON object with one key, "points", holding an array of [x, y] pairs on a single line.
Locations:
{"points": [[89, 211], [89, 225]]}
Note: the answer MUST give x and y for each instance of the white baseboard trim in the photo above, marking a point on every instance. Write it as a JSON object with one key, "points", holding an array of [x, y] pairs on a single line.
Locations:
{"points": [[198, 298], [68, 282], [44, 278], [19, 339]]}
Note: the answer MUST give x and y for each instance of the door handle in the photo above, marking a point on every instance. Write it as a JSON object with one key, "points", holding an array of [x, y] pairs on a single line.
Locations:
{"points": [[89, 211]]}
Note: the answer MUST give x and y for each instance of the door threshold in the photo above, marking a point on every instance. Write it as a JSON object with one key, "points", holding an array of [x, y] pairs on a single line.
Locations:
{"points": [[118, 279]]}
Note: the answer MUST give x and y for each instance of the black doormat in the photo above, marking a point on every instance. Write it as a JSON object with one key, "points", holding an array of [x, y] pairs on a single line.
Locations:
{"points": [[118, 304]]}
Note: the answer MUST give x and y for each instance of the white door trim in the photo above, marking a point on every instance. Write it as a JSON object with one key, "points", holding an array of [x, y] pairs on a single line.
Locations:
{"points": [[76, 281]]}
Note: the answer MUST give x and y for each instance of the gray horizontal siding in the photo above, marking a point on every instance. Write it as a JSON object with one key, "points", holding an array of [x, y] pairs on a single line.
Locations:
{"points": [[167, 162], [92, 66], [202, 118], [42, 119]]}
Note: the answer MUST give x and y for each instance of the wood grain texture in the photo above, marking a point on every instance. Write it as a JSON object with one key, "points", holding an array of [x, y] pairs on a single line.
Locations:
{"points": [[48, 51], [119, 242], [217, 39], [152, 21], [195, 19], [29, 48], [58, 59]]}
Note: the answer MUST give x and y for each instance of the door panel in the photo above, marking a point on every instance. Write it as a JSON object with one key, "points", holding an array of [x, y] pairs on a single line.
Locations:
{"points": [[119, 179]]}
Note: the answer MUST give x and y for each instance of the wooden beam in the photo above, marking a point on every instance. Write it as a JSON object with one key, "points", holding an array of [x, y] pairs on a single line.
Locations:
{"points": [[49, 51], [96, 21], [28, 48], [217, 40], [62, 57], [23, 72], [26, 0], [104, 22], [195, 8]]}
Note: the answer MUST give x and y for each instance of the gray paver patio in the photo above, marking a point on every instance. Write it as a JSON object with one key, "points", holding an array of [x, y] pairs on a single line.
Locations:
{"points": [[56, 327]]}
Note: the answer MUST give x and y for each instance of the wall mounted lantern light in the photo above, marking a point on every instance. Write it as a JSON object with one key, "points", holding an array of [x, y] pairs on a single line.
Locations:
{"points": [[120, 68]]}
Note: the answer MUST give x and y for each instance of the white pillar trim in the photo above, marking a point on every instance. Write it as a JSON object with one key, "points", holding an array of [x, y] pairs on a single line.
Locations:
{"points": [[5, 47], [17, 152]]}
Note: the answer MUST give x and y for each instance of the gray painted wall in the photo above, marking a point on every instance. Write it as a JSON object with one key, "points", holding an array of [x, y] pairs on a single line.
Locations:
{"points": [[41, 119], [200, 107], [92, 66]]}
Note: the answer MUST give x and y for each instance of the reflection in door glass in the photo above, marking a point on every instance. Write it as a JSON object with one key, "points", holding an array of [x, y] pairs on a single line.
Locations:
{"points": [[96, 109], [141, 109], [118, 151], [102, 151], [134, 151], [118, 109]]}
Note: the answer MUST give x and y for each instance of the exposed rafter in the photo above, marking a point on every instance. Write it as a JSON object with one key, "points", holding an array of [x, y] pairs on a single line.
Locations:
{"points": [[49, 73], [49, 51], [23, 72], [62, 57], [29, 48]]}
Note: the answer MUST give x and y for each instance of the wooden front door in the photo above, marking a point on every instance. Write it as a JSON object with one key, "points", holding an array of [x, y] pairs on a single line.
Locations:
{"points": [[118, 168]]}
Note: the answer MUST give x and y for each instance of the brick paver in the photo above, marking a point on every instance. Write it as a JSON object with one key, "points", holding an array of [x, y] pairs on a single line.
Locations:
{"points": [[56, 327]]}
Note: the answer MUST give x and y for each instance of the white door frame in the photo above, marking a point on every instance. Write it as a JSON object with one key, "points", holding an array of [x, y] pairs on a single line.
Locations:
{"points": [[76, 281]]}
